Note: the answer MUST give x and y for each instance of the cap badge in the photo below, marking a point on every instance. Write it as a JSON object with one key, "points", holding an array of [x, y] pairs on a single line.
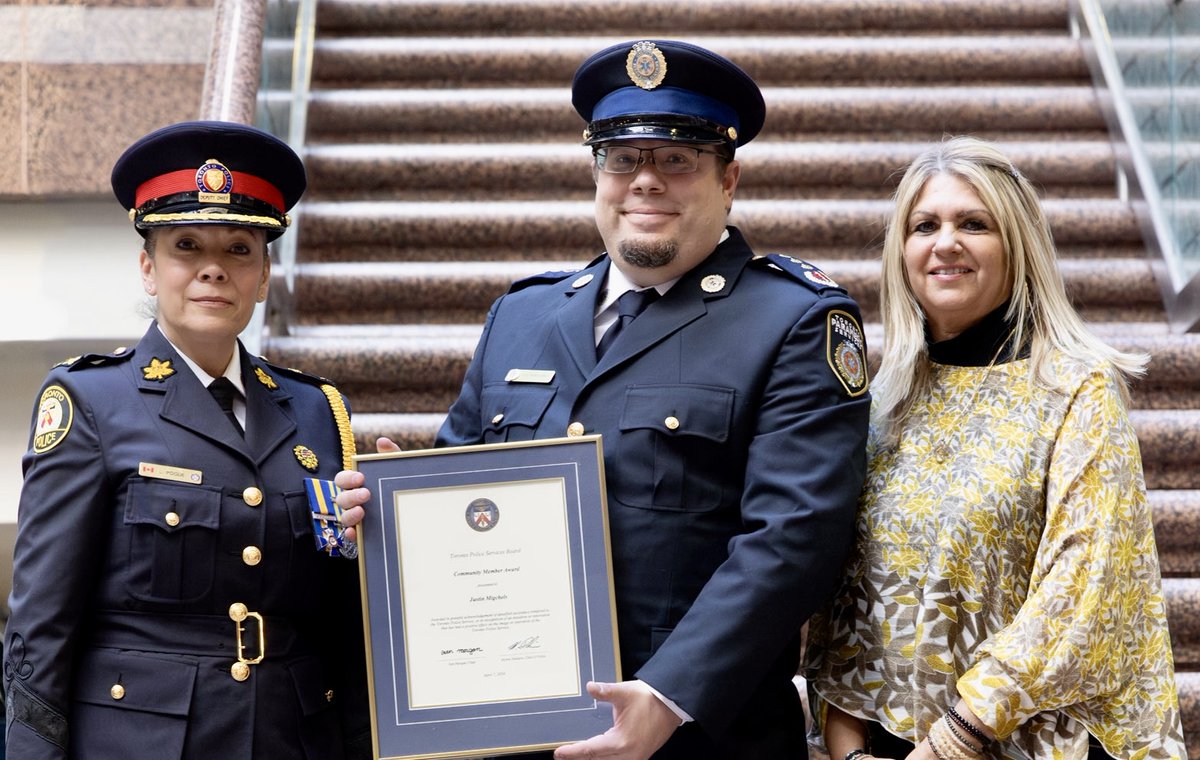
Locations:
{"points": [[265, 379], [158, 370], [214, 182], [646, 65], [713, 283], [306, 457]]}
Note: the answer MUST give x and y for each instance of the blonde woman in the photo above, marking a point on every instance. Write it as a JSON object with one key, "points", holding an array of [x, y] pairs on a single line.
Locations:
{"points": [[1003, 597]]}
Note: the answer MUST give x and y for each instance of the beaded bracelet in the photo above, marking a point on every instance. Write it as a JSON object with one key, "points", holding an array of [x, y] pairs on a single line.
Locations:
{"points": [[945, 746], [961, 739], [969, 727], [934, 747]]}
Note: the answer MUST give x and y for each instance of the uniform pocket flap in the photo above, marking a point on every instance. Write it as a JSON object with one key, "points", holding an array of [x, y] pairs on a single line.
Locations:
{"points": [[171, 506], [136, 681], [508, 404], [312, 689], [704, 411]]}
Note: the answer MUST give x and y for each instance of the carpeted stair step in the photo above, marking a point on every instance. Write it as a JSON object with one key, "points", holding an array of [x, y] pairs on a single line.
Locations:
{"points": [[424, 172], [495, 114], [461, 292], [785, 60], [623, 18], [565, 230]]}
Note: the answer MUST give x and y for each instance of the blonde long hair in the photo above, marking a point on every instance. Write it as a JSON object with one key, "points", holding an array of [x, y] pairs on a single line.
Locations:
{"points": [[1039, 307]]}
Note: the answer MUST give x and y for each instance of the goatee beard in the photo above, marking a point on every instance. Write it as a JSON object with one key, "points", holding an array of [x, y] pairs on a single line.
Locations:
{"points": [[648, 254]]}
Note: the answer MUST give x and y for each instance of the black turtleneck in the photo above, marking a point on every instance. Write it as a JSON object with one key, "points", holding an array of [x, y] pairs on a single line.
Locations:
{"points": [[979, 344]]}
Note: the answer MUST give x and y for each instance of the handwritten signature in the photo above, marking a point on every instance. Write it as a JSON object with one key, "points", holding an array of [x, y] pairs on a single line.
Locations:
{"points": [[532, 642], [463, 650]]}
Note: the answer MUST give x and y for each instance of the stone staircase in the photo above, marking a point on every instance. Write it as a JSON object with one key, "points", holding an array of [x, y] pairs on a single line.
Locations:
{"points": [[445, 162]]}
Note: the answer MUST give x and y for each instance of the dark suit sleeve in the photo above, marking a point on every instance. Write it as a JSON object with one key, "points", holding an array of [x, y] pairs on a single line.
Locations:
{"points": [[463, 426], [805, 468], [61, 530]]}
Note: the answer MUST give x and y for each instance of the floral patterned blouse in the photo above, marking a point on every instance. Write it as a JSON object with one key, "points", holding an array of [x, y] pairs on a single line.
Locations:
{"points": [[1005, 554]]}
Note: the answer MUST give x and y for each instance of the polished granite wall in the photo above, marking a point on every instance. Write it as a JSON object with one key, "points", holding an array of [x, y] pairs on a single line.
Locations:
{"points": [[80, 80]]}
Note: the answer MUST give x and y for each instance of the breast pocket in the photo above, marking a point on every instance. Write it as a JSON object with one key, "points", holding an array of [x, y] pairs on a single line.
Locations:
{"points": [[673, 447], [513, 412], [172, 540]]}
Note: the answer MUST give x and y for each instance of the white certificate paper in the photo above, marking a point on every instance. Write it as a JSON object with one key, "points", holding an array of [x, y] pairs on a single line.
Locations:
{"points": [[493, 616]]}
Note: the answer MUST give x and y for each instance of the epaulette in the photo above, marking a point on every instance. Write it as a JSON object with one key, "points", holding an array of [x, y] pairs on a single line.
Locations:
{"points": [[337, 405], [800, 271], [292, 372], [96, 359], [545, 278]]}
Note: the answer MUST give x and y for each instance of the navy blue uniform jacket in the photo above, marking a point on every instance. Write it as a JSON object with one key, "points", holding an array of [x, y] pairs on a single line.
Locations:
{"points": [[729, 523], [120, 643]]}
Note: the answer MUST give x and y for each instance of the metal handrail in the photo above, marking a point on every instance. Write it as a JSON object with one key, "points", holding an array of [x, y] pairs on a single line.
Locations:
{"points": [[292, 128], [1137, 182]]}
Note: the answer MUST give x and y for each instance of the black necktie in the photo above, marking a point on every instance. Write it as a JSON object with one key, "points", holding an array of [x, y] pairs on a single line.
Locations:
{"points": [[629, 305], [224, 391]]}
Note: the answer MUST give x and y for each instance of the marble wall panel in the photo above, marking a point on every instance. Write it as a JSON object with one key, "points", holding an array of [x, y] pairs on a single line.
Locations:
{"points": [[12, 160], [81, 117]]}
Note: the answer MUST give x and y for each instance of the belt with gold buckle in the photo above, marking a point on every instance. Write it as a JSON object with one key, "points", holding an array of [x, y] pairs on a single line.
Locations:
{"points": [[238, 614]]}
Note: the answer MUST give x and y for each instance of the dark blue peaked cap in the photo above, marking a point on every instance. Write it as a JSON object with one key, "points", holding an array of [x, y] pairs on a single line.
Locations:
{"points": [[666, 90], [209, 172]]}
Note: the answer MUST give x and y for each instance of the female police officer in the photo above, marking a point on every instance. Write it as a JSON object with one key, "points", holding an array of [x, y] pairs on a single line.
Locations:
{"points": [[170, 597]]}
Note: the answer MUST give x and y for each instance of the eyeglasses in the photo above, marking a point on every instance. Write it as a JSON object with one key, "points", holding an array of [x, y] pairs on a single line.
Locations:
{"points": [[668, 159]]}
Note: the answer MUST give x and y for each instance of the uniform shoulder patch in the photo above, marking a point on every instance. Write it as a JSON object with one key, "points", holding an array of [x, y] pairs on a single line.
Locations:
{"points": [[55, 413], [85, 361], [801, 271], [846, 351]]}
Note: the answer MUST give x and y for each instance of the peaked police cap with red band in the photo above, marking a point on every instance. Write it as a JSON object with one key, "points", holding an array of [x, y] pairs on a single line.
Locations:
{"points": [[666, 90], [209, 172]]}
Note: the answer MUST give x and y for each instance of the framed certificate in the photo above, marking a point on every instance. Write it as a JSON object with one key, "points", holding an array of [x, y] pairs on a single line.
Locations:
{"points": [[487, 597]]}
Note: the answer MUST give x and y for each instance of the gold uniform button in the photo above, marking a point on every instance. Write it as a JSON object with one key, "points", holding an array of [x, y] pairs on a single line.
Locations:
{"points": [[496, 420], [240, 671], [575, 429], [672, 423], [117, 691], [172, 519], [251, 555], [329, 696], [252, 496], [238, 612]]}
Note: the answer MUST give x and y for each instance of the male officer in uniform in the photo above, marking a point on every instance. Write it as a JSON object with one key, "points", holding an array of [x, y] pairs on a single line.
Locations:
{"points": [[732, 401]]}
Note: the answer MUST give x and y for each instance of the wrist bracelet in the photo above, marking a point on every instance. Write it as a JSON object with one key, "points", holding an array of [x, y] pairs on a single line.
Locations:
{"points": [[946, 746], [856, 753], [959, 737], [969, 727]]}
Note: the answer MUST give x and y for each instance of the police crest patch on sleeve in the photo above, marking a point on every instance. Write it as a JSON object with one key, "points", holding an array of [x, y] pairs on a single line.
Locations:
{"points": [[54, 416], [846, 351]]}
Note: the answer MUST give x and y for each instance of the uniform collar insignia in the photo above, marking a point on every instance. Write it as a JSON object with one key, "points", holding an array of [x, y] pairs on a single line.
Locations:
{"points": [[265, 379], [158, 370]]}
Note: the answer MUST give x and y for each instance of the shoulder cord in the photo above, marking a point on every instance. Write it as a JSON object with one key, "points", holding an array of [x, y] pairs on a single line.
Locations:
{"points": [[342, 418]]}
